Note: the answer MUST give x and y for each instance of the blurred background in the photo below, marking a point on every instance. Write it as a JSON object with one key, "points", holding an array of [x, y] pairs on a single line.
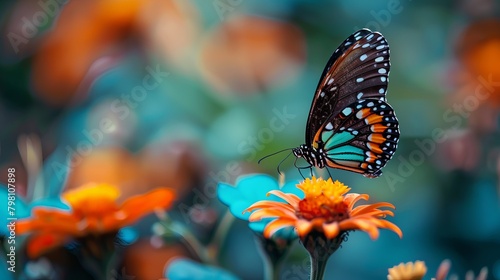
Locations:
{"points": [[184, 94]]}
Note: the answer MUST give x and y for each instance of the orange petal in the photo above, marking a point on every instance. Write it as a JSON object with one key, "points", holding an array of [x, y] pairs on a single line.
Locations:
{"points": [[141, 205], [352, 198], [41, 243], [269, 204], [45, 219], [331, 230], [303, 227], [291, 198], [274, 226], [367, 209], [355, 224], [271, 213], [388, 225]]}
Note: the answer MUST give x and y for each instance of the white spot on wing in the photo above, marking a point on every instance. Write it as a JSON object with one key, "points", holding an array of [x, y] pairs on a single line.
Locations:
{"points": [[381, 91], [380, 47], [330, 81], [359, 95], [365, 46], [322, 94], [383, 79], [363, 57], [378, 59], [359, 80], [382, 71], [329, 126], [370, 104], [369, 37]]}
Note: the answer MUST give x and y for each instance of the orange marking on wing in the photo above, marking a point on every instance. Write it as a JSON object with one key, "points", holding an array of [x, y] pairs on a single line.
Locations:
{"points": [[374, 147], [371, 157], [364, 165], [317, 137], [373, 119], [365, 112], [377, 138], [378, 127]]}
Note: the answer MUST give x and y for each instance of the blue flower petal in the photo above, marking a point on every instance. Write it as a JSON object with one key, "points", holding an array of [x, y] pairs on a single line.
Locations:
{"points": [[184, 269], [256, 187], [238, 207], [258, 226], [248, 190], [253, 188], [22, 209], [227, 193], [52, 203], [128, 235]]}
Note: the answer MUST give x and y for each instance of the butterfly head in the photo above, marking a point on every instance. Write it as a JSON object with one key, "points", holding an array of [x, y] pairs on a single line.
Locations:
{"points": [[299, 151]]}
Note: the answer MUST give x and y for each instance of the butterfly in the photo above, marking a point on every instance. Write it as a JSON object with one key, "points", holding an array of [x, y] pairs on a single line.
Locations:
{"points": [[350, 124]]}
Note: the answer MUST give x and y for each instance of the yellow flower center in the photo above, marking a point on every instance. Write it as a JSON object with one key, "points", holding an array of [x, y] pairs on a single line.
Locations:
{"points": [[323, 199], [93, 199]]}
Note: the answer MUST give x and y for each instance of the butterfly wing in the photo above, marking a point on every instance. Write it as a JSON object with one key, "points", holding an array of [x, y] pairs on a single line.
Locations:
{"points": [[357, 70], [361, 138]]}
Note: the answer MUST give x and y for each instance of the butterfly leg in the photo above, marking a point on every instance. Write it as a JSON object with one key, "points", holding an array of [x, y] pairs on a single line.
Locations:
{"points": [[328, 170], [301, 167], [300, 172]]}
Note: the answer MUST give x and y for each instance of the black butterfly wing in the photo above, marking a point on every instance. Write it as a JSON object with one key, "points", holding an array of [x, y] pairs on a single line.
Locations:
{"points": [[357, 70], [361, 138]]}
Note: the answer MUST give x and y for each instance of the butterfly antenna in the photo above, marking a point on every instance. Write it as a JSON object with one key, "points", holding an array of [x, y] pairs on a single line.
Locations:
{"points": [[279, 172], [273, 154]]}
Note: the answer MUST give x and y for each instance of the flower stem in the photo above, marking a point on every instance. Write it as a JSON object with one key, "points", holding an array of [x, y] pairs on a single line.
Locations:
{"points": [[318, 266], [272, 269], [320, 249]]}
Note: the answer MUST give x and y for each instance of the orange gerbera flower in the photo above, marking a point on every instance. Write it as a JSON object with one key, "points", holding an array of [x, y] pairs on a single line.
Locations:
{"points": [[94, 210], [326, 208]]}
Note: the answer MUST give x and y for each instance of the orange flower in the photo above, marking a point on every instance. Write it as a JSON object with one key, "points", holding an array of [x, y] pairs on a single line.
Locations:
{"points": [[326, 209], [94, 211]]}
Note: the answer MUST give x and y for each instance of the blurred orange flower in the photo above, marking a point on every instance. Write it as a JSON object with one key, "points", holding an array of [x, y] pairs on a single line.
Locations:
{"points": [[249, 53], [479, 47], [326, 208], [89, 30], [177, 165], [408, 271], [93, 211], [478, 50]]}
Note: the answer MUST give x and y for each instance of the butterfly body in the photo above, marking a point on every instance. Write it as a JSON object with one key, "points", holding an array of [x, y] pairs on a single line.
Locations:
{"points": [[350, 124]]}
